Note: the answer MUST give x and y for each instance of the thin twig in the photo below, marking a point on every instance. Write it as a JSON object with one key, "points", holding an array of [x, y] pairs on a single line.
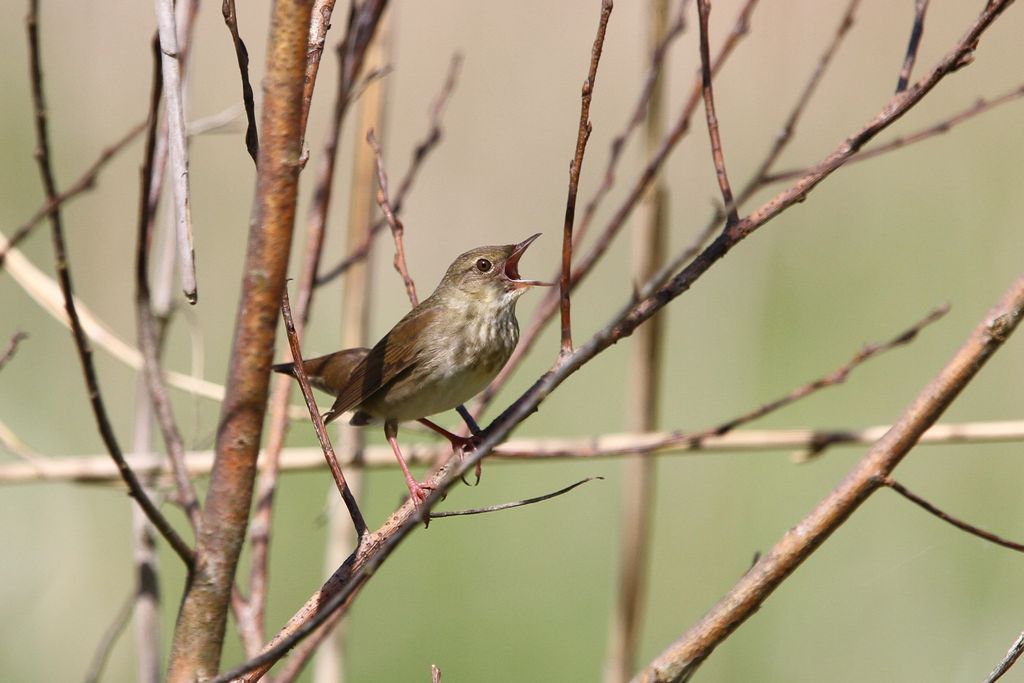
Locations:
{"points": [[728, 205], [946, 517], [84, 183], [319, 24], [252, 142], [109, 639], [317, 420], [512, 504], [395, 223], [64, 276], [920, 7], [178, 152], [980, 106], [419, 156], [1012, 655], [12, 347], [575, 166]]}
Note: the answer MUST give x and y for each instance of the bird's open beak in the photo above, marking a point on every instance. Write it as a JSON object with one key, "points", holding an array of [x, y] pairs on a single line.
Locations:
{"points": [[512, 266]]}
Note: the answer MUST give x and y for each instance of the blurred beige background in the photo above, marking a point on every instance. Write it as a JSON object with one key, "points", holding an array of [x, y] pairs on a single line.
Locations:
{"points": [[525, 595]]}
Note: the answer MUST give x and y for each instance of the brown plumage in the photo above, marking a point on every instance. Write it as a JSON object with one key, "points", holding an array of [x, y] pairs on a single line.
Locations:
{"points": [[442, 353]]}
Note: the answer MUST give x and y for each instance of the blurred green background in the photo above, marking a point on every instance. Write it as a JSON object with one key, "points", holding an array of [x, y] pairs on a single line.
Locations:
{"points": [[526, 594]]}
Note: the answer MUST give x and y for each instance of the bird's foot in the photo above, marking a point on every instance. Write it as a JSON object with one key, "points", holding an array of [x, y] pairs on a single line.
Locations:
{"points": [[418, 491]]}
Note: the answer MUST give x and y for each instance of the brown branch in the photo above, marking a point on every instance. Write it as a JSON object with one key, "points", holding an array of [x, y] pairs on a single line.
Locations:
{"points": [[575, 166], [728, 205], [980, 106], [12, 347], [319, 24], [318, 423], [946, 517], [682, 657], [252, 141], [1012, 655], [513, 504], [84, 183], [549, 304], [199, 631], [920, 7], [420, 153], [397, 228], [63, 268]]}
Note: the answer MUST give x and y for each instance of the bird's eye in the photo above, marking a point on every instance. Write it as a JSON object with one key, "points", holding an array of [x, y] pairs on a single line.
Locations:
{"points": [[483, 265]]}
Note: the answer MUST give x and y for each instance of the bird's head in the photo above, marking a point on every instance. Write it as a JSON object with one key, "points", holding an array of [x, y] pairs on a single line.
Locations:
{"points": [[490, 274]]}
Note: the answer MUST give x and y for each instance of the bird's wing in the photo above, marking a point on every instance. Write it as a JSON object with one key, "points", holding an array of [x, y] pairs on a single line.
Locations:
{"points": [[393, 357]]}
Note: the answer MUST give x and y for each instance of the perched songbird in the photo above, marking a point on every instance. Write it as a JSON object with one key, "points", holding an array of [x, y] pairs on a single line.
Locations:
{"points": [[437, 357]]}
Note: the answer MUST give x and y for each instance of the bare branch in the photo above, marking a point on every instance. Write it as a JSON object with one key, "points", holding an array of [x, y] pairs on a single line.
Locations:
{"points": [[178, 152], [252, 142], [1012, 655], [946, 517], [12, 347], [728, 205], [920, 7], [84, 183], [318, 422], [513, 504], [109, 639], [582, 135], [397, 228]]}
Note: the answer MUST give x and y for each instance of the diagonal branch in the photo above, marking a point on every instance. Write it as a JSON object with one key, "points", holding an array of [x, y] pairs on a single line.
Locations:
{"points": [[920, 7], [728, 205], [397, 227]]}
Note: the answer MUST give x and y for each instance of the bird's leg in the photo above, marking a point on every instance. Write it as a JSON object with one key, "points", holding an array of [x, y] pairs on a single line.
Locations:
{"points": [[416, 490], [460, 444]]}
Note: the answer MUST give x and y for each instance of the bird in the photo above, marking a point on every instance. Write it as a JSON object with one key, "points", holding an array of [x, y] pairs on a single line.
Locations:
{"points": [[438, 356]]}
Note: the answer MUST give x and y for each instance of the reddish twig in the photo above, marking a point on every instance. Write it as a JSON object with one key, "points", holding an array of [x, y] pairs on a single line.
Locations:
{"points": [[85, 182], [1011, 657], [920, 7], [946, 517], [319, 24], [252, 141], [682, 658], [318, 422], [12, 347], [419, 156], [397, 228], [575, 166], [199, 630], [82, 346], [728, 205]]}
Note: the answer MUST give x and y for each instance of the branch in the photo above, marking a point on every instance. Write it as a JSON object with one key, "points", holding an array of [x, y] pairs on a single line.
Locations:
{"points": [[318, 423], [85, 182], [946, 517], [920, 7], [177, 146], [682, 658], [12, 347], [199, 631], [397, 228], [64, 276], [513, 504], [1012, 655], [98, 469], [575, 166], [728, 205], [252, 141]]}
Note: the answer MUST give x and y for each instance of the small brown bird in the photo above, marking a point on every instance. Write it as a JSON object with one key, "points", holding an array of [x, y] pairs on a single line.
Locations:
{"points": [[437, 357]]}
